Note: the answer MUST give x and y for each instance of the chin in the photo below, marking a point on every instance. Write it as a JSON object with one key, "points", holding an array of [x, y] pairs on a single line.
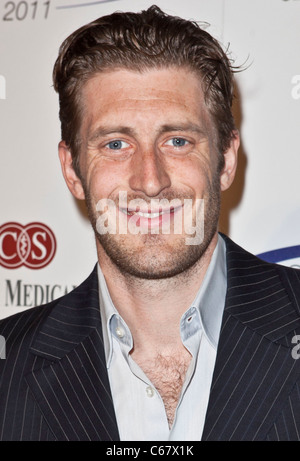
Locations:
{"points": [[154, 258]]}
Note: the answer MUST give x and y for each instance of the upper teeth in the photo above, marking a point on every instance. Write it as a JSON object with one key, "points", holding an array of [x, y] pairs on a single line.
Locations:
{"points": [[144, 214], [148, 215]]}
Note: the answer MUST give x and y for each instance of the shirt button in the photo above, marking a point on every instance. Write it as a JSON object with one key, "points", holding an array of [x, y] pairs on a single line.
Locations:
{"points": [[150, 391], [120, 332]]}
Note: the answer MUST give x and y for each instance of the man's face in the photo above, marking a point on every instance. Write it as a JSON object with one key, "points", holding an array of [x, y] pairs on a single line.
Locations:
{"points": [[147, 137]]}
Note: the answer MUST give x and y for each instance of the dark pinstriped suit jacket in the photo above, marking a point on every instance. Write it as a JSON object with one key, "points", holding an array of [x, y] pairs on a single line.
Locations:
{"points": [[54, 383]]}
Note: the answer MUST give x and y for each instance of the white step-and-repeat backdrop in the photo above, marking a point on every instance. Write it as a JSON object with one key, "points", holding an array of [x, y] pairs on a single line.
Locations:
{"points": [[46, 244]]}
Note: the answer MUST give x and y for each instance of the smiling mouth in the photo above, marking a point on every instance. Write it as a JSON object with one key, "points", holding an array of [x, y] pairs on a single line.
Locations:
{"points": [[149, 214]]}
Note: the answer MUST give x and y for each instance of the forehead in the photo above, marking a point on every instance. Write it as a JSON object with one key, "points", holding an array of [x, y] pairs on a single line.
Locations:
{"points": [[117, 92]]}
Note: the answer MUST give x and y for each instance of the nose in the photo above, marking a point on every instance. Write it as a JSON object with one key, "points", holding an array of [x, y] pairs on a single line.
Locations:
{"points": [[148, 173]]}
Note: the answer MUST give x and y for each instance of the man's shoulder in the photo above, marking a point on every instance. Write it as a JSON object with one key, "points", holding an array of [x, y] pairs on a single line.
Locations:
{"points": [[242, 265], [19, 330], [237, 253]]}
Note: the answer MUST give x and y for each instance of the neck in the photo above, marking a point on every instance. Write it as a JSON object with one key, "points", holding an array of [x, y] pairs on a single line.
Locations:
{"points": [[146, 304]]}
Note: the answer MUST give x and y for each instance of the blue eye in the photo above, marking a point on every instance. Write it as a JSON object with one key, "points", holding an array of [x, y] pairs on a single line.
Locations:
{"points": [[177, 142], [117, 144]]}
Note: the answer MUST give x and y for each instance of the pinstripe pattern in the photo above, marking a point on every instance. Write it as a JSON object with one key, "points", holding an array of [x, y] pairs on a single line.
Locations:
{"points": [[255, 373], [54, 383], [19, 417]]}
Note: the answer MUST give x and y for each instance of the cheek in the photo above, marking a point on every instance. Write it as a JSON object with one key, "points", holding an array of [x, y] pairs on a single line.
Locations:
{"points": [[104, 180], [195, 173]]}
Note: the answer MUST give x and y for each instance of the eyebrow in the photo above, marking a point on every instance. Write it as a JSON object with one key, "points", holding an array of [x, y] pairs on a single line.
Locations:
{"points": [[101, 132], [184, 127], [104, 131]]}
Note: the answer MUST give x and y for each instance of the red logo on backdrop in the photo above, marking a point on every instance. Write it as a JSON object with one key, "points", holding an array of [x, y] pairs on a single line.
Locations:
{"points": [[32, 246]]}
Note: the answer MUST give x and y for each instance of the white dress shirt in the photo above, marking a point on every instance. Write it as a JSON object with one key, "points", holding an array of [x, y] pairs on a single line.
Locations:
{"points": [[139, 408]]}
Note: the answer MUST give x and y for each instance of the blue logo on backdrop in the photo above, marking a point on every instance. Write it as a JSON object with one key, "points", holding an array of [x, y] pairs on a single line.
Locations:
{"points": [[282, 254]]}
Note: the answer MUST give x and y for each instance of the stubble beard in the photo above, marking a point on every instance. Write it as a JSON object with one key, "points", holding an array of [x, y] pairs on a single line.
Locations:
{"points": [[157, 256]]}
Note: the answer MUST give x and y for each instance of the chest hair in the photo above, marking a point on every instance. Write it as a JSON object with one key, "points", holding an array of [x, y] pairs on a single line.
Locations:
{"points": [[167, 374]]}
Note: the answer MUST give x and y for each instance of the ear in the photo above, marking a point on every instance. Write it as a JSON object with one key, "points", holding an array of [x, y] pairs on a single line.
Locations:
{"points": [[230, 157], [72, 180]]}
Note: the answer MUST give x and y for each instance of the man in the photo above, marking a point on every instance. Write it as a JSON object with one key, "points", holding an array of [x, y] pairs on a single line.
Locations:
{"points": [[178, 334]]}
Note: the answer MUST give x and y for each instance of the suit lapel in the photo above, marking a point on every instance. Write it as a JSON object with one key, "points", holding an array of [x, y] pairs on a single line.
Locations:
{"points": [[72, 388], [254, 371]]}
